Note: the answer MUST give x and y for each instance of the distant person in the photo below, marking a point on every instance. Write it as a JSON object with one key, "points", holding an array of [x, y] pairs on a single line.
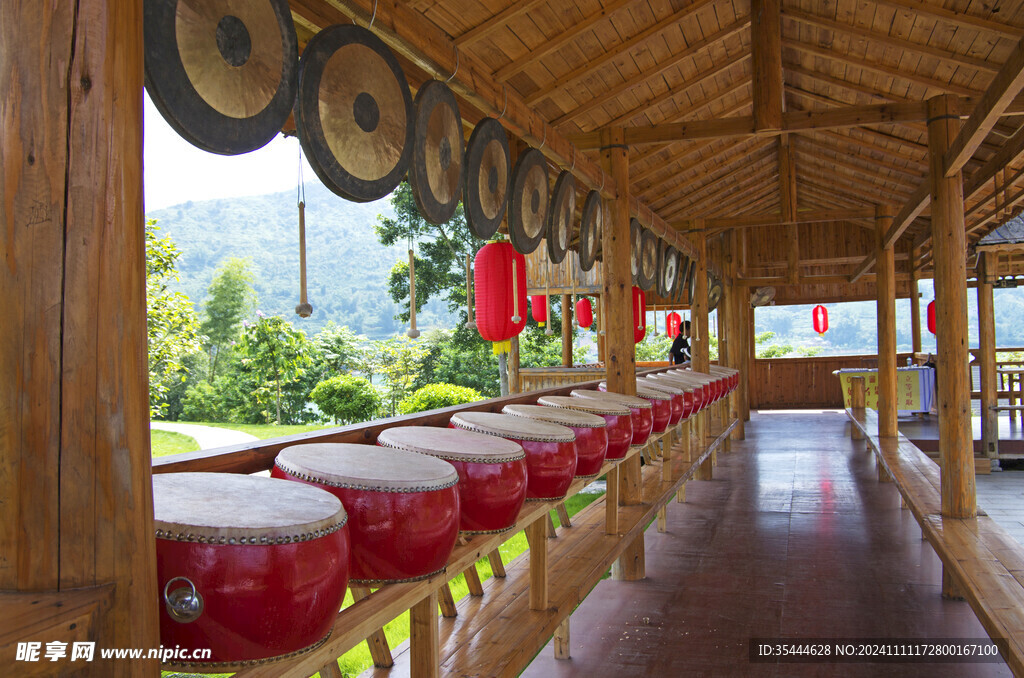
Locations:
{"points": [[680, 351]]}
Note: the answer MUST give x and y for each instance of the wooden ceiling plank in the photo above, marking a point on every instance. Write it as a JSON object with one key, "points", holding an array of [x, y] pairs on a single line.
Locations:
{"points": [[613, 52], [847, 156], [670, 212], [749, 156], [499, 20], [959, 19], [1006, 85]]}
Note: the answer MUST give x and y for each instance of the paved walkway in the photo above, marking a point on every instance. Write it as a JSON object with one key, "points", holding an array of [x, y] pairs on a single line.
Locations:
{"points": [[206, 436], [1001, 495], [795, 537]]}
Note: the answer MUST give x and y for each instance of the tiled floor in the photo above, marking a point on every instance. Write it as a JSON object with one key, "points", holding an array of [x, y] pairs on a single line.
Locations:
{"points": [[794, 537], [1001, 495]]}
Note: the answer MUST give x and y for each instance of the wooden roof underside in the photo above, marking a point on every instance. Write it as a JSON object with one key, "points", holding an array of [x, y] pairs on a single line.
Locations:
{"points": [[586, 65]]}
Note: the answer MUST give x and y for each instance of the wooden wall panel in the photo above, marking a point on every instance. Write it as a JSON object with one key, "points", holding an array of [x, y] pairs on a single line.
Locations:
{"points": [[797, 383]]}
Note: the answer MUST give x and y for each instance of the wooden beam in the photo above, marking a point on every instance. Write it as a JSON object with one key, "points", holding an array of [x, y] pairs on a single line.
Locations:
{"points": [[776, 219], [885, 285], [766, 46], [1006, 85], [788, 202], [793, 121], [953, 393]]}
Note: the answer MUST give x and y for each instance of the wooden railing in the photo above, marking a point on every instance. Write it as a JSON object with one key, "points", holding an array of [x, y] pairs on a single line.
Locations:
{"points": [[498, 631]]}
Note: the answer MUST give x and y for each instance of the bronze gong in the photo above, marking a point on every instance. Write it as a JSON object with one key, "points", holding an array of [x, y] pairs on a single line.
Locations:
{"points": [[485, 179], [435, 174], [680, 284], [648, 272], [563, 208], [668, 267], [221, 72], [590, 230], [691, 278], [635, 231], [528, 205], [714, 294], [354, 113]]}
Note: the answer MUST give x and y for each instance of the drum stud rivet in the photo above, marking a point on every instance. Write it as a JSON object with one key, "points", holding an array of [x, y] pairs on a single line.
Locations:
{"points": [[231, 541], [184, 605]]}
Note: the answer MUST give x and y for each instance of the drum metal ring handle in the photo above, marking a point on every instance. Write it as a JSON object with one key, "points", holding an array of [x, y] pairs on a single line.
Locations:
{"points": [[183, 604]]}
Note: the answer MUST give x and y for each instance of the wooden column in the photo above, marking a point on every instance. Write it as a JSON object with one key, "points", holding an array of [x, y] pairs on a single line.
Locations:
{"points": [[885, 284], [75, 479], [699, 344], [537, 536], [953, 391], [736, 297], [915, 303], [747, 374], [424, 639], [857, 399], [567, 311], [788, 198], [987, 354]]}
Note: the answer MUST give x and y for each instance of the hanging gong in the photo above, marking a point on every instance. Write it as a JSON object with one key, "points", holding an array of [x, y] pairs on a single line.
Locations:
{"points": [[684, 263], [648, 273], [691, 277], [221, 72], [635, 231], [563, 208], [435, 173], [590, 230], [486, 178], [668, 269], [528, 204], [714, 294], [354, 113]]}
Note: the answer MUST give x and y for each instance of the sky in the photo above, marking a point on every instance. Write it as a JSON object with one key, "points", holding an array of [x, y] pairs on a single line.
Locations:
{"points": [[175, 171]]}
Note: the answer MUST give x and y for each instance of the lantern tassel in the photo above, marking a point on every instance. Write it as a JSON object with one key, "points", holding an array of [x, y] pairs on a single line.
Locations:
{"points": [[500, 347], [413, 332]]}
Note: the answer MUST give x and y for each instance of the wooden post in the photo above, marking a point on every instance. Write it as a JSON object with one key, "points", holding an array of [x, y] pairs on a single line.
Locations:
{"points": [[885, 284], [857, 404], [766, 46], [699, 345], [562, 640], [75, 464], [987, 353], [602, 354], [737, 298], [536, 535], [377, 642], [953, 392], [567, 314], [667, 455], [749, 365], [915, 303], [611, 501], [513, 365], [424, 640]]}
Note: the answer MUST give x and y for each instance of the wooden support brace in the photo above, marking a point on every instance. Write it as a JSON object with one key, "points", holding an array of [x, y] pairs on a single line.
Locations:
{"points": [[424, 640], [563, 515], [662, 519], [473, 581], [611, 501], [447, 602], [536, 535], [551, 528], [497, 567], [631, 482], [331, 670], [681, 494], [562, 640], [377, 642], [667, 455], [950, 589]]}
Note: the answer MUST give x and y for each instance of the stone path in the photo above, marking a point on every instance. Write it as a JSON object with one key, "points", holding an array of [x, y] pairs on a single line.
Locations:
{"points": [[206, 436]]}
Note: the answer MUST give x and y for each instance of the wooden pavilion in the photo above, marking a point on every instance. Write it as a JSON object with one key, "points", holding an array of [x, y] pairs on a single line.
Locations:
{"points": [[837, 151]]}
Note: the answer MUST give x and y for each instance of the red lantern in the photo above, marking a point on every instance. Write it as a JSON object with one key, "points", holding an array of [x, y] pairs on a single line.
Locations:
{"points": [[500, 280], [672, 322], [539, 308], [931, 317], [819, 317], [584, 312], [639, 315]]}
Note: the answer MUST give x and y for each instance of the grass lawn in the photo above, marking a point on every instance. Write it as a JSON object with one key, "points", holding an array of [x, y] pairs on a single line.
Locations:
{"points": [[168, 442], [264, 431]]}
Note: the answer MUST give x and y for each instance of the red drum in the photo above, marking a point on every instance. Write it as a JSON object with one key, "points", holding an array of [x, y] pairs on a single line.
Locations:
{"points": [[642, 412], [550, 449], [618, 420], [678, 398], [591, 433], [717, 387], [492, 472], [252, 568], [702, 392], [403, 507], [691, 393], [661, 405], [731, 376]]}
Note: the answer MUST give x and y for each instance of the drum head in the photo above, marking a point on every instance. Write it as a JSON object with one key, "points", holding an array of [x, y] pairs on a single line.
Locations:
{"points": [[668, 270], [714, 294], [555, 415], [507, 426], [664, 386], [648, 260], [590, 405], [435, 174], [223, 508], [642, 391], [563, 209], [486, 178], [354, 113], [366, 467], [590, 230], [222, 73], [452, 444], [635, 233], [621, 398], [528, 204]]}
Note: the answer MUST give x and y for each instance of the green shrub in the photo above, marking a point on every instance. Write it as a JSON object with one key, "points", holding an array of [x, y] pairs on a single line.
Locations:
{"points": [[346, 399], [434, 396]]}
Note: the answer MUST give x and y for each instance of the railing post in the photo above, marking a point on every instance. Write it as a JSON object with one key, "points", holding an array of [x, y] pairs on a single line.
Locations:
{"points": [[424, 639], [857, 401]]}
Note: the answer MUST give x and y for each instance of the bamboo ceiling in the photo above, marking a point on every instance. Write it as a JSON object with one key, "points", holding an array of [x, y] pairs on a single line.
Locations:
{"points": [[585, 65]]}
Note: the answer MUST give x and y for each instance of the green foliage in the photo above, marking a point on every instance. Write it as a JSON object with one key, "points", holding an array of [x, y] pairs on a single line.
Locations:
{"points": [[346, 399], [274, 359], [230, 297], [341, 351], [653, 347], [460, 357], [399, 360], [171, 321], [204, 401], [436, 396]]}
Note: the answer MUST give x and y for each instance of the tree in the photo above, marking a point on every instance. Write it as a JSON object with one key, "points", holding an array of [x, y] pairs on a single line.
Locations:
{"points": [[436, 396], [171, 321], [653, 347], [275, 358], [341, 351], [346, 399], [230, 297], [399, 360], [771, 350]]}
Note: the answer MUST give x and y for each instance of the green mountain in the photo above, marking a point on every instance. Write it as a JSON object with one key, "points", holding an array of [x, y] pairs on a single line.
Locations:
{"points": [[347, 268]]}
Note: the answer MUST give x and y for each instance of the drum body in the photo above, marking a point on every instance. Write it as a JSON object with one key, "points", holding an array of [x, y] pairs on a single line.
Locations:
{"points": [[642, 415], [590, 430], [618, 420], [268, 592], [403, 507], [677, 401], [550, 449], [492, 472]]}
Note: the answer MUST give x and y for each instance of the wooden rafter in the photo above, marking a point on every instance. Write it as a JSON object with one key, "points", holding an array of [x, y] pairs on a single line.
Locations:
{"points": [[804, 217], [496, 22], [749, 156], [852, 163], [958, 19], [843, 147], [671, 212], [684, 112]]}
